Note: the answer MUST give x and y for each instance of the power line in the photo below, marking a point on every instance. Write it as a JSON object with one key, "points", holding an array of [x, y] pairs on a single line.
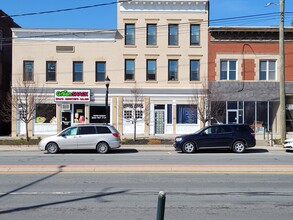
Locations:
{"points": [[65, 9]]}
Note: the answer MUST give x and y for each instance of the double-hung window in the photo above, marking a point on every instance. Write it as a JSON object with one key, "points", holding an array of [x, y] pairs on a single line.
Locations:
{"points": [[151, 69], [173, 34], [194, 34], [151, 34], [129, 34], [28, 70], [228, 70], [172, 70], [194, 70], [51, 71], [129, 69], [100, 71], [77, 71], [267, 70]]}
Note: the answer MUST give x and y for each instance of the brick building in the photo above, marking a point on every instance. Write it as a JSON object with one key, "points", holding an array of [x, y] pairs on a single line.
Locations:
{"points": [[243, 69]]}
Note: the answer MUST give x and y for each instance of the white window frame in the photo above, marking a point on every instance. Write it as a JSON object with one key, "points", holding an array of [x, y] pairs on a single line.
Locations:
{"points": [[268, 70], [228, 68]]}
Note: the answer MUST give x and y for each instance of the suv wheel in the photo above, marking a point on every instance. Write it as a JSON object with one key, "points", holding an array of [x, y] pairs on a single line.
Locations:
{"points": [[238, 147], [188, 147], [102, 148]]}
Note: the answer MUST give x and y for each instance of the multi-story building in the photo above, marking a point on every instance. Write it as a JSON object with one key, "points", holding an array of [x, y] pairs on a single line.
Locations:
{"points": [[243, 70], [6, 23], [156, 60]]}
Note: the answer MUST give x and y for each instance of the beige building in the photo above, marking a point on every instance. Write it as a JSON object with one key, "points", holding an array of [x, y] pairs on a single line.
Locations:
{"points": [[156, 61]]}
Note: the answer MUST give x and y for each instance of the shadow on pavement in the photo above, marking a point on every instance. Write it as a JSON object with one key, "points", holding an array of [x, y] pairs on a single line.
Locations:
{"points": [[225, 151], [115, 151]]}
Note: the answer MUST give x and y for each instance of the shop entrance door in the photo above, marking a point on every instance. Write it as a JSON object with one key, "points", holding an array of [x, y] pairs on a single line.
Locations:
{"points": [[159, 121], [66, 120], [232, 117]]}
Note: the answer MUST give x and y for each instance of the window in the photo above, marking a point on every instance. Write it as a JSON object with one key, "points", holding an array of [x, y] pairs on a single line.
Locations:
{"points": [[129, 69], [127, 114], [169, 114], [46, 113], [151, 69], [129, 34], [86, 130], [100, 71], [103, 130], [194, 34], [28, 70], [173, 34], [151, 34], [228, 70], [70, 131], [194, 70], [186, 114], [51, 71], [172, 70], [77, 71], [267, 70]]}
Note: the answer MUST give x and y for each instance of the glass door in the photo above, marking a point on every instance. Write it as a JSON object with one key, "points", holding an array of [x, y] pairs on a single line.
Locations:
{"points": [[159, 121], [232, 117]]}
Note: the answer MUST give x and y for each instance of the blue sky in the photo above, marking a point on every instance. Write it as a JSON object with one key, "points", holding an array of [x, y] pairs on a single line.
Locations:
{"points": [[105, 16]]}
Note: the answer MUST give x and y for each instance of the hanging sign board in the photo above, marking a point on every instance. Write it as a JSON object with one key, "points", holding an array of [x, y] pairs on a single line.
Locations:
{"points": [[72, 95]]}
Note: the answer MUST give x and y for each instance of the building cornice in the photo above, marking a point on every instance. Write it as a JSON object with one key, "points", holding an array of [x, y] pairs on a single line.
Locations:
{"points": [[200, 6], [64, 34]]}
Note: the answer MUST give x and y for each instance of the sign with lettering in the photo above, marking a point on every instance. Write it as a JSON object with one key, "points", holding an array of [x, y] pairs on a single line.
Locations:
{"points": [[72, 95]]}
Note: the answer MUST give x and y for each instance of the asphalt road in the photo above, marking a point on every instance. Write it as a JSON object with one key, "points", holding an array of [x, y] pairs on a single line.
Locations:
{"points": [[125, 185]]}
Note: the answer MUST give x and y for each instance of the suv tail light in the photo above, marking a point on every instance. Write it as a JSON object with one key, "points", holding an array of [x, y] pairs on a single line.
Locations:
{"points": [[253, 134], [115, 135]]}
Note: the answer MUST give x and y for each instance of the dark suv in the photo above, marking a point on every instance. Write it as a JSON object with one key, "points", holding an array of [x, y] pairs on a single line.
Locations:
{"points": [[236, 137]]}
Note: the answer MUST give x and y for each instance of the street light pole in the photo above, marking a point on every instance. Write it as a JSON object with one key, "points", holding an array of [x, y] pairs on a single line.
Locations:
{"points": [[282, 73], [107, 83]]}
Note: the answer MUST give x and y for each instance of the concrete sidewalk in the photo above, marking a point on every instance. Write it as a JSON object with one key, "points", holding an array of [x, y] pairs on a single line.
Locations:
{"points": [[136, 147]]}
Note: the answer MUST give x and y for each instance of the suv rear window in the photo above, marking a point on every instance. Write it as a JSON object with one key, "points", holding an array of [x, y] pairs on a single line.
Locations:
{"points": [[87, 130], [103, 130]]}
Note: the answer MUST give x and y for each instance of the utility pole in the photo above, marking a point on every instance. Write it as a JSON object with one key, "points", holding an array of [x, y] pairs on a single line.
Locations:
{"points": [[282, 120]]}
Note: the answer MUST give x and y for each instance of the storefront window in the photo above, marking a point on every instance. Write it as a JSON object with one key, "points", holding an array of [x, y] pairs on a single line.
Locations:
{"points": [[249, 113], [97, 114], [186, 114], [169, 114], [262, 117], [46, 113]]}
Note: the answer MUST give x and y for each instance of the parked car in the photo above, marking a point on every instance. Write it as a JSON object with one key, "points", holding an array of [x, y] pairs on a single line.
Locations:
{"points": [[85, 136], [288, 144], [236, 137]]}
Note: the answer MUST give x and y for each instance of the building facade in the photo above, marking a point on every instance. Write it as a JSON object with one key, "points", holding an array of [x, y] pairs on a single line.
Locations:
{"points": [[243, 69], [5, 66], [156, 60]]}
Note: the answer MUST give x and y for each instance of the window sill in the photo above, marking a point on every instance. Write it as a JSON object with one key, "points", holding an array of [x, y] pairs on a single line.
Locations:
{"points": [[173, 81], [78, 83], [195, 46], [173, 46], [130, 46], [151, 81], [51, 82], [152, 46], [195, 82], [129, 81]]}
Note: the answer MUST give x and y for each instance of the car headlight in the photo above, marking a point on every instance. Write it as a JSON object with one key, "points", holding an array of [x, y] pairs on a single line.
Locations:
{"points": [[178, 139]]}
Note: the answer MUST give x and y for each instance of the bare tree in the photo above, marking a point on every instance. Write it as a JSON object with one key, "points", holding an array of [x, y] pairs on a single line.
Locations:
{"points": [[24, 100], [134, 109], [208, 104]]}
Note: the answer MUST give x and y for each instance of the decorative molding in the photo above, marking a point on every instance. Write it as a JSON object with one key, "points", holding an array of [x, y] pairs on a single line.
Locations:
{"points": [[200, 6]]}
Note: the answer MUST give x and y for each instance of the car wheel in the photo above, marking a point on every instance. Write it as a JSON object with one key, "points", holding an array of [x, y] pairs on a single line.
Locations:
{"points": [[188, 147], [238, 147], [52, 148], [102, 148]]}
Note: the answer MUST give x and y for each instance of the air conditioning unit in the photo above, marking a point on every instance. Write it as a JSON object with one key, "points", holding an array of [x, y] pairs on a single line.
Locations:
{"points": [[65, 107]]}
